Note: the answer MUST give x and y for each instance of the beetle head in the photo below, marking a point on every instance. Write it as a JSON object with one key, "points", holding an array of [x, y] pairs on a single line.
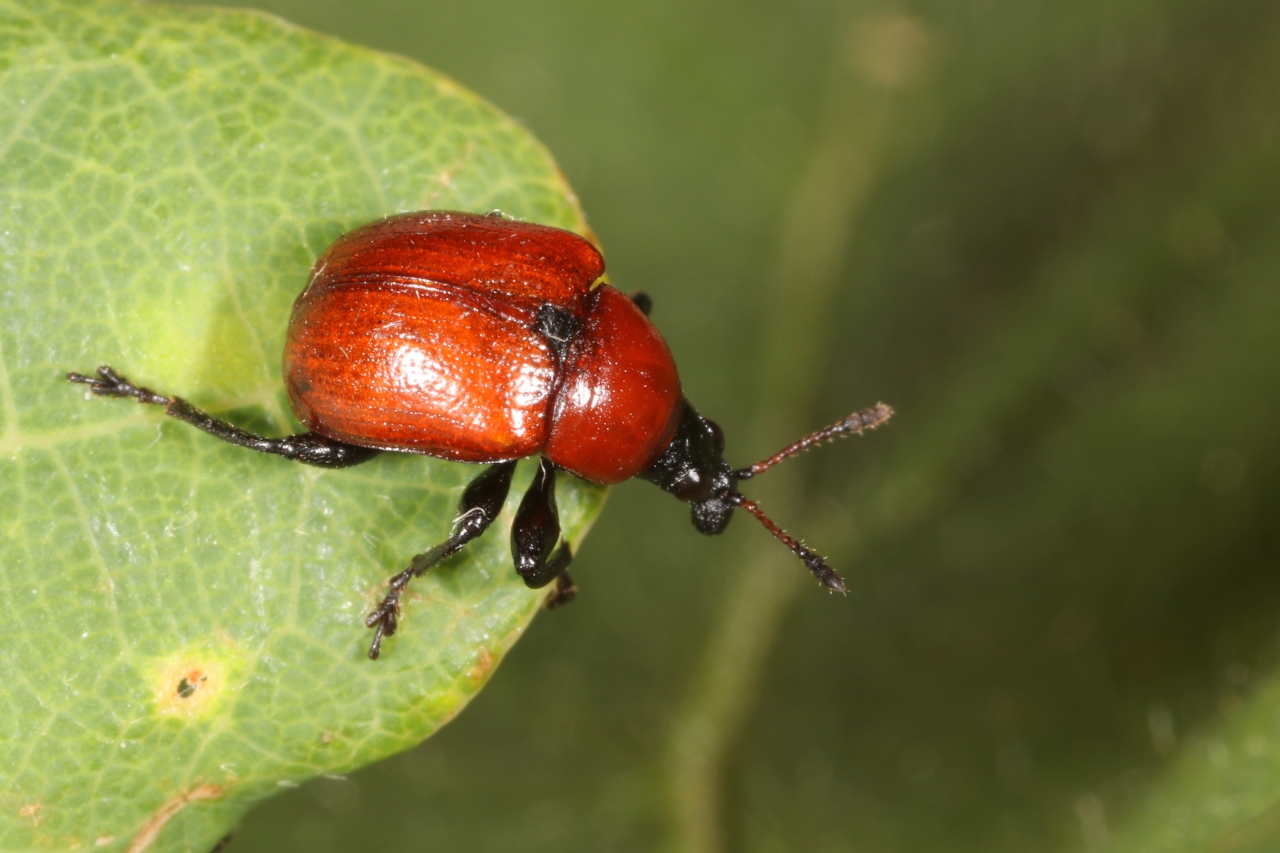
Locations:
{"points": [[692, 468]]}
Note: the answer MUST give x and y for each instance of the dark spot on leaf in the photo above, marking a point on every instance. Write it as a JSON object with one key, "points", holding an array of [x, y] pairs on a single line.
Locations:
{"points": [[190, 683]]}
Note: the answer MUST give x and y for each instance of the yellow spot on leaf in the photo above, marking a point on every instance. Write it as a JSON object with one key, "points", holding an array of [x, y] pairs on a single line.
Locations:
{"points": [[187, 685]]}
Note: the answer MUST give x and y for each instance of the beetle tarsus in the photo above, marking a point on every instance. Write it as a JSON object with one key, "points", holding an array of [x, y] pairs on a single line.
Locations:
{"points": [[480, 505], [565, 590], [385, 618], [107, 383]]}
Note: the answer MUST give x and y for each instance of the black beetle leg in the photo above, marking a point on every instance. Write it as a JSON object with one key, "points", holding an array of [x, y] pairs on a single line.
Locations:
{"points": [[534, 535], [643, 301], [480, 505], [566, 590], [307, 447]]}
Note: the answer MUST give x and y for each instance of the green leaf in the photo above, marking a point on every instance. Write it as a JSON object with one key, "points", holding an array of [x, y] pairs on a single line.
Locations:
{"points": [[183, 630]]}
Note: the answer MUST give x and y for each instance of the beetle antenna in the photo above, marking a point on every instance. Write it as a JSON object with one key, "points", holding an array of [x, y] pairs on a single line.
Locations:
{"points": [[813, 561], [852, 425]]}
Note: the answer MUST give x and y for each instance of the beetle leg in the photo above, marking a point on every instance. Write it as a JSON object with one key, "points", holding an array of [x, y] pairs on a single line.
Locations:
{"points": [[566, 590], [534, 534], [308, 447], [643, 301], [480, 505]]}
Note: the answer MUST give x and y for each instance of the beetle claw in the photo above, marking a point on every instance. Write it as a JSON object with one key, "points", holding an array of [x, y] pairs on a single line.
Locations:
{"points": [[107, 383], [385, 612], [375, 617], [384, 622], [375, 648], [385, 617]]}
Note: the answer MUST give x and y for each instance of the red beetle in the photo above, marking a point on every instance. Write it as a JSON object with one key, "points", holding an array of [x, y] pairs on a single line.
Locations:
{"points": [[482, 339]]}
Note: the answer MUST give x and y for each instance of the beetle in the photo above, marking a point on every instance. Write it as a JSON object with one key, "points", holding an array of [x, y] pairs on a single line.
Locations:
{"points": [[484, 339]]}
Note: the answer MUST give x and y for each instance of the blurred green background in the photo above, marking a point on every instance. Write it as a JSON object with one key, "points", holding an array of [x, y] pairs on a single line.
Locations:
{"points": [[1047, 234]]}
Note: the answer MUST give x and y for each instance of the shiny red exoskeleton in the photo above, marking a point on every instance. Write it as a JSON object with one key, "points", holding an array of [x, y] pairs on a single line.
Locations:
{"points": [[479, 338]]}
